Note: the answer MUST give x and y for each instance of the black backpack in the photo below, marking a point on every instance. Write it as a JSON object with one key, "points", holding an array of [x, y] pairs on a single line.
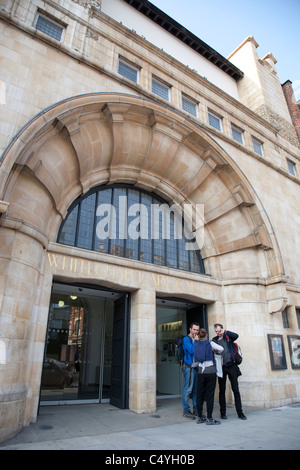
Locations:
{"points": [[179, 348]]}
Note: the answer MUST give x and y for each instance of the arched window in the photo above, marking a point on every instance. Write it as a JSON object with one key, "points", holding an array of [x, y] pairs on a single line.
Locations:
{"points": [[127, 222]]}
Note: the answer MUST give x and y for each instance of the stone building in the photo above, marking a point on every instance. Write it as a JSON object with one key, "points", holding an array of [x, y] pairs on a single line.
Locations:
{"points": [[110, 109]]}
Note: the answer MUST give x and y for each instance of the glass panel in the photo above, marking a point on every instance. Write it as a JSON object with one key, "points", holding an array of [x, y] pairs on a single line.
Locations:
{"points": [[48, 27], [237, 135], [291, 167], [157, 221], [171, 322], [189, 106], [183, 256], [101, 242], [214, 121], [86, 222], [74, 347], [134, 224], [160, 89], [68, 232], [171, 248], [196, 263], [109, 316], [257, 146], [129, 223], [127, 71], [118, 222], [146, 241]]}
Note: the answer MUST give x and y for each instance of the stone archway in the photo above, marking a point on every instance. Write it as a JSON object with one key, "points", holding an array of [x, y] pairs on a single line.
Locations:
{"points": [[107, 138], [98, 139]]}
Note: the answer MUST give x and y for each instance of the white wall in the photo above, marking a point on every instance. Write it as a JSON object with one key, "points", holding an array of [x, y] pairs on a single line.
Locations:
{"points": [[132, 19]]}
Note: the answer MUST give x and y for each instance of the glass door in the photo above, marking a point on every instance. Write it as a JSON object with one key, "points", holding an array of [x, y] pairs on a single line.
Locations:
{"points": [[77, 362], [173, 318]]}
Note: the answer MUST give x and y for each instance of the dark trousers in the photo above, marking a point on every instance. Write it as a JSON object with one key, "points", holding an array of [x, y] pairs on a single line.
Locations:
{"points": [[233, 374], [205, 392]]}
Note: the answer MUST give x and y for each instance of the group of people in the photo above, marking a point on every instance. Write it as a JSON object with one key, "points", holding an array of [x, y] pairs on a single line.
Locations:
{"points": [[201, 368]]}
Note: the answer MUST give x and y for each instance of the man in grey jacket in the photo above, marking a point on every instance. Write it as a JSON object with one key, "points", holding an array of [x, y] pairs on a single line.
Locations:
{"points": [[225, 338]]}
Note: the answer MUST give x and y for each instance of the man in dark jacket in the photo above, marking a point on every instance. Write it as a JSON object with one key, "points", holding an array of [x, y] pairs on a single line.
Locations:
{"points": [[225, 338]]}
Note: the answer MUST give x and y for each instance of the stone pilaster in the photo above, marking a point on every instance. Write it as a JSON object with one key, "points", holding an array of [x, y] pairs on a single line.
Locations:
{"points": [[142, 382]]}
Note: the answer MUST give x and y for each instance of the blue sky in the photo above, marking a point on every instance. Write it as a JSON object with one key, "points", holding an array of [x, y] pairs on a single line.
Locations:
{"points": [[224, 24]]}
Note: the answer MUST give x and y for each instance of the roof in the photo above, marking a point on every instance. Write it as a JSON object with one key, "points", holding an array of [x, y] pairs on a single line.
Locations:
{"points": [[181, 33]]}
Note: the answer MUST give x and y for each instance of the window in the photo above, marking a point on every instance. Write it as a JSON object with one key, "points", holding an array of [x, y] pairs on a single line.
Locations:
{"points": [[257, 146], [189, 105], [237, 134], [215, 121], [160, 89], [128, 71], [291, 167], [298, 316], [49, 27], [285, 319], [127, 222]]}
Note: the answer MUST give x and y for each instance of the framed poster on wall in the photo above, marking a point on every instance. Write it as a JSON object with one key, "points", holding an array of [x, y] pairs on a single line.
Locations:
{"points": [[294, 347], [277, 352]]}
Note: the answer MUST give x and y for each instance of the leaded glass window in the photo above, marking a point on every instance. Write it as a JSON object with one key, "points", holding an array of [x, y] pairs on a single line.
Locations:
{"points": [[127, 222]]}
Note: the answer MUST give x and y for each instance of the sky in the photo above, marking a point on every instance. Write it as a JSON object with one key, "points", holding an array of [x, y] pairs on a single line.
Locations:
{"points": [[225, 24]]}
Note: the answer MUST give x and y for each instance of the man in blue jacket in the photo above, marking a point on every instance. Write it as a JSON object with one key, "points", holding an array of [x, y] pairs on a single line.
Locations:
{"points": [[226, 338], [190, 374]]}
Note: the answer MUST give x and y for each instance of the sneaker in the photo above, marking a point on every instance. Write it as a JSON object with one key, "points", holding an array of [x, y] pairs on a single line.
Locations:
{"points": [[188, 414], [195, 413], [211, 421], [201, 420], [223, 417], [242, 416]]}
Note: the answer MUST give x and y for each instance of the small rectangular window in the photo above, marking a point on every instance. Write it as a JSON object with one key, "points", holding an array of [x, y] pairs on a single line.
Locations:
{"points": [[257, 146], [49, 27], [298, 316], [237, 134], [161, 89], [215, 121], [128, 71], [189, 105], [291, 167], [285, 319]]}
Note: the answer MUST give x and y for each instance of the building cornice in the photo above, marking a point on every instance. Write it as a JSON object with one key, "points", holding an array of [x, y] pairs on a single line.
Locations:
{"points": [[189, 39]]}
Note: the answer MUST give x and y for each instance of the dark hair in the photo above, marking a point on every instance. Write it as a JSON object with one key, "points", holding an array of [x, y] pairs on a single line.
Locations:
{"points": [[218, 324], [202, 333], [194, 323]]}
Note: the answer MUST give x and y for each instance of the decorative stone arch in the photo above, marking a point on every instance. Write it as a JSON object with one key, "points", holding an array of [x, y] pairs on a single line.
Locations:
{"points": [[96, 139], [99, 139]]}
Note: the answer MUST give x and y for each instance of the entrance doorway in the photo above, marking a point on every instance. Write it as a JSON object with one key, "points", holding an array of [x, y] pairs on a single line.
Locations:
{"points": [[173, 318], [87, 347]]}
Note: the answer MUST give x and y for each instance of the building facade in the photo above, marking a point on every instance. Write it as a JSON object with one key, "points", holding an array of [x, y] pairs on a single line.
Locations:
{"points": [[110, 109]]}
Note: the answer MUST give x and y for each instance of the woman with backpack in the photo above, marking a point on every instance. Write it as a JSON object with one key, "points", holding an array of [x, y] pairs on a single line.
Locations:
{"points": [[204, 359]]}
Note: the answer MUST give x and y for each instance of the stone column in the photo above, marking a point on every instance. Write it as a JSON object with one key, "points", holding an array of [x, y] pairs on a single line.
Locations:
{"points": [[22, 325], [142, 378]]}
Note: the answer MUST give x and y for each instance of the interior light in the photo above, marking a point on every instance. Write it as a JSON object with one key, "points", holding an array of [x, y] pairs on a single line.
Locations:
{"points": [[61, 303]]}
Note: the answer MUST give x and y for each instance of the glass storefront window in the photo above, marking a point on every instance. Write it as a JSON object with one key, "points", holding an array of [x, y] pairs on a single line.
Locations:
{"points": [[78, 354]]}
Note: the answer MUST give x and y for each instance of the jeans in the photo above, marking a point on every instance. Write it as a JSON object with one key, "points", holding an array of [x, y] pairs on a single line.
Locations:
{"points": [[233, 373], [189, 388]]}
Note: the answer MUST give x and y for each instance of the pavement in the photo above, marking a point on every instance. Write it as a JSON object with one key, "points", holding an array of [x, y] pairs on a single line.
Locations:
{"points": [[104, 427]]}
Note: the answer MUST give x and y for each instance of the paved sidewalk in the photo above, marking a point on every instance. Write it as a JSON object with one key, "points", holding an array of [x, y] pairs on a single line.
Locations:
{"points": [[104, 427]]}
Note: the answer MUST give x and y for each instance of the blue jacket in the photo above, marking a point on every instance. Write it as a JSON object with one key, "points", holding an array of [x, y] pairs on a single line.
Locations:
{"points": [[203, 352], [188, 347]]}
